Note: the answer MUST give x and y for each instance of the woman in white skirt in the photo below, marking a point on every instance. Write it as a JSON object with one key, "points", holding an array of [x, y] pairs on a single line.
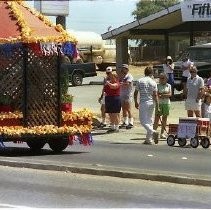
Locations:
{"points": [[194, 92]]}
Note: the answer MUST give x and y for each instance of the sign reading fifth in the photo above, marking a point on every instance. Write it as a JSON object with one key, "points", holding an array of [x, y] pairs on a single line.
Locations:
{"points": [[196, 10]]}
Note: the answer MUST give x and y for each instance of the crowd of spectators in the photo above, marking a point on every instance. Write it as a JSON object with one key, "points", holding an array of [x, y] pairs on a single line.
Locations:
{"points": [[151, 97]]}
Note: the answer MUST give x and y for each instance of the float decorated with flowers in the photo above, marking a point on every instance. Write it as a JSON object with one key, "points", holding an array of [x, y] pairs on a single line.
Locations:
{"points": [[33, 87]]}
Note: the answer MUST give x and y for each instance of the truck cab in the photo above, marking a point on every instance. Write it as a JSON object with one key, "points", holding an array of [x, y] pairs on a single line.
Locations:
{"points": [[199, 54], [77, 71]]}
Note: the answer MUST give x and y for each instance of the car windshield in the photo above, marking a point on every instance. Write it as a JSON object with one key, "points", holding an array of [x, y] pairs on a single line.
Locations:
{"points": [[197, 54]]}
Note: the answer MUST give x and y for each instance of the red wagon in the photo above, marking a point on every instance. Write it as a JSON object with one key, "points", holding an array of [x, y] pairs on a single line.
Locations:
{"points": [[197, 130]]}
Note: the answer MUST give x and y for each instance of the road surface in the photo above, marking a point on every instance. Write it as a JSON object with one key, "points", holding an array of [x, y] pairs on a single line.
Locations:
{"points": [[21, 188]]}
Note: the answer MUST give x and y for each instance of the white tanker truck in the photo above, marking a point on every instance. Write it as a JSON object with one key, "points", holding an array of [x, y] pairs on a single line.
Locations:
{"points": [[92, 48]]}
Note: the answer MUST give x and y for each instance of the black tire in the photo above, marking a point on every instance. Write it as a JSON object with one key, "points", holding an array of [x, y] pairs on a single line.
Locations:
{"points": [[58, 145], [36, 144], [194, 142], [77, 79], [182, 142], [205, 142], [171, 140]]}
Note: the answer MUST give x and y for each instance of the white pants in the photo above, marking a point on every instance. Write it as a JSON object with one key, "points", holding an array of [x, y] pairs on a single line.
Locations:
{"points": [[145, 116]]}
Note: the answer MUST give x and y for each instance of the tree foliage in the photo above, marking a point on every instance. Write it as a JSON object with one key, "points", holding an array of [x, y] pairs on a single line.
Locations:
{"points": [[145, 8]]}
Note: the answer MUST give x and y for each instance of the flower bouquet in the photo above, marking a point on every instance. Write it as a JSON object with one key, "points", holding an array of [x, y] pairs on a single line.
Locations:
{"points": [[66, 104]]}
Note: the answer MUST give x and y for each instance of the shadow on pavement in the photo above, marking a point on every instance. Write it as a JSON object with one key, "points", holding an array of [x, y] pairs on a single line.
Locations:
{"points": [[21, 152], [122, 143], [184, 147], [138, 139]]}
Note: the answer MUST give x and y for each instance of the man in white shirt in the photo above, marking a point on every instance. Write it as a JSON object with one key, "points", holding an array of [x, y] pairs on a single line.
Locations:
{"points": [[194, 91], [147, 89], [126, 95]]}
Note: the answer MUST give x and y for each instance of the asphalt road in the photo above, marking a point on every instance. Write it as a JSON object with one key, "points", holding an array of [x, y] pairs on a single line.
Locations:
{"points": [[118, 155], [27, 188]]}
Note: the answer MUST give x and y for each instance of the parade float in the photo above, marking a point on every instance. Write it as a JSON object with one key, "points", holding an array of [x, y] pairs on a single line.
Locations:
{"points": [[32, 86]]}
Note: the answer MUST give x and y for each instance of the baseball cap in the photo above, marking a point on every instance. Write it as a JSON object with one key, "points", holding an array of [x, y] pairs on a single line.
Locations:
{"points": [[169, 58], [125, 66], [108, 69]]}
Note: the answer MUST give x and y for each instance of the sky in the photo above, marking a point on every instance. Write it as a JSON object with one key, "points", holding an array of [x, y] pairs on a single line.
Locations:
{"points": [[98, 15]]}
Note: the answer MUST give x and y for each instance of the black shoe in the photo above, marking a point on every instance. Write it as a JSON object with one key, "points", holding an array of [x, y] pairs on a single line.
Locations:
{"points": [[111, 131], [123, 125], [129, 126], [102, 125]]}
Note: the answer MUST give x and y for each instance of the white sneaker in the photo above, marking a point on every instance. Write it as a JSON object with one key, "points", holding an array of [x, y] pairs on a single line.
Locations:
{"points": [[163, 136], [147, 142]]}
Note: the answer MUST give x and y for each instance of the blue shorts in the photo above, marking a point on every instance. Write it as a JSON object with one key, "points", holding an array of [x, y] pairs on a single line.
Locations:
{"points": [[112, 104], [170, 77]]}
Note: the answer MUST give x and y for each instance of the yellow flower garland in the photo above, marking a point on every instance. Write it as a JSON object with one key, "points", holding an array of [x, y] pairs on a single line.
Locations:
{"points": [[11, 115], [17, 131], [26, 32]]}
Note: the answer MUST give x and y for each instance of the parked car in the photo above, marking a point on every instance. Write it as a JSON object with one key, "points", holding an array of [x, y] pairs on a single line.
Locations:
{"points": [[199, 54], [79, 71]]}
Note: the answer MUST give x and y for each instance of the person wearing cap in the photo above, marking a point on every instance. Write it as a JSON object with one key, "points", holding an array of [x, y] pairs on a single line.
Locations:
{"points": [[126, 95], [186, 64], [168, 69], [111, 89]]}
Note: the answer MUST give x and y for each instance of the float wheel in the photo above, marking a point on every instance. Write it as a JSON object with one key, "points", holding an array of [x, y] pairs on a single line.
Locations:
{"points": [[58, 145], [205, 142], [194, 142], [171, 140]]}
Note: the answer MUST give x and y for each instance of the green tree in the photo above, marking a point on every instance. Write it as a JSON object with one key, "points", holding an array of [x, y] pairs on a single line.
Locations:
{"points": [[145, 8]]}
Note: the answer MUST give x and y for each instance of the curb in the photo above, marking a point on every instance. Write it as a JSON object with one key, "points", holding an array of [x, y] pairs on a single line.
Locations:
{"points": [[106, 171], [101, 83], [96, 83]]}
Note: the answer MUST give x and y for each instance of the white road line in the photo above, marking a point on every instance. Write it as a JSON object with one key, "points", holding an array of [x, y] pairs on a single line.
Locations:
{"points": [[4, 205]]}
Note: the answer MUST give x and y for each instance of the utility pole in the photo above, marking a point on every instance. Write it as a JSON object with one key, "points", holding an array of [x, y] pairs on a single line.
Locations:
{"points": [[61, 20], [57, 8]]}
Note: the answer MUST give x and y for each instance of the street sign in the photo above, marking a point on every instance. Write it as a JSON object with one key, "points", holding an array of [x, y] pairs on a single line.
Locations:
{"points": [[196, 10], [52, 8]]}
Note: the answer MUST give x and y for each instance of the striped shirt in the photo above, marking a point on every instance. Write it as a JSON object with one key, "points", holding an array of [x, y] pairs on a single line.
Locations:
{"points": [[146, 86]]}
